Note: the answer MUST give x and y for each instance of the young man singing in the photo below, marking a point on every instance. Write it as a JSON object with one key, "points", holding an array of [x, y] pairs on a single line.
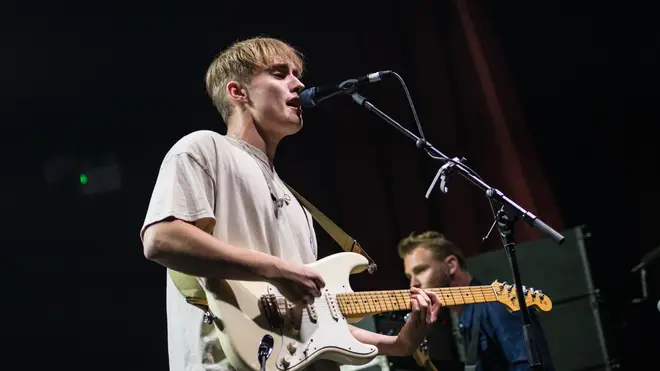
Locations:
{"points": [[220, 211]]}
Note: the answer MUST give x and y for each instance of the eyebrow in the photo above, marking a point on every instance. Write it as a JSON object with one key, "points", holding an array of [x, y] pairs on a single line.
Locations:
{"points": [[419, 268]]}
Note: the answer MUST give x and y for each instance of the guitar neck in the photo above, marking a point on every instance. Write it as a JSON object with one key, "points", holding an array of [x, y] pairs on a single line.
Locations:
{"points": [[365, 303]]}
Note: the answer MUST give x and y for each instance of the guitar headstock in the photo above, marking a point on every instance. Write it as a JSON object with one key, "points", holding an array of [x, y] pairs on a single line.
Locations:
{"points": [[506, 294]]}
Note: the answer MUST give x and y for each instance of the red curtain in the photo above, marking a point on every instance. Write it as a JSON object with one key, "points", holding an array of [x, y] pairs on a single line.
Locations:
{"points": [[372, 180]]}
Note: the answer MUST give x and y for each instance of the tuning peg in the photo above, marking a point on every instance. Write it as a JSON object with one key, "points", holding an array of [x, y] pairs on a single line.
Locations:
{"points": [[511, 287], [541, 294]]}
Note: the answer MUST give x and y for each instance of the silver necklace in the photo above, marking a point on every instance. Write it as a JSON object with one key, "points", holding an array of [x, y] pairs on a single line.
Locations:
{"points": [[279, 202], [267, 172]]}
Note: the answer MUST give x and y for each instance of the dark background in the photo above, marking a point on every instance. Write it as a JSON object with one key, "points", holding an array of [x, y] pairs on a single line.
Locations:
{"points": [[554, 104]]}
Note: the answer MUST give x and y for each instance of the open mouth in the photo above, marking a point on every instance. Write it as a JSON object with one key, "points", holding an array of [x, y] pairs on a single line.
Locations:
{"points": [[294, 103]]}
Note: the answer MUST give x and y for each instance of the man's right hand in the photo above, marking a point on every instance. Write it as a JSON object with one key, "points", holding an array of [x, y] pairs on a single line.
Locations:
{"points": [[297, 283]]}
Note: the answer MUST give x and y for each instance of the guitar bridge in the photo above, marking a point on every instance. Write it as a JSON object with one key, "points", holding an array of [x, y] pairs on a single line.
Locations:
{"points": [[269, 307]]}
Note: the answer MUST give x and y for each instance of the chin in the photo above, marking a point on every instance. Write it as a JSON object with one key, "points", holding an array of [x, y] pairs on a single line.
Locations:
{"points": [[292, 126], [292, 129]]}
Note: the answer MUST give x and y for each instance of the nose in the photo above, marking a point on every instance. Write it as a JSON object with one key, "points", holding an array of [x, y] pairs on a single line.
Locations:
{"points": [[414, 282], [298, 86]]}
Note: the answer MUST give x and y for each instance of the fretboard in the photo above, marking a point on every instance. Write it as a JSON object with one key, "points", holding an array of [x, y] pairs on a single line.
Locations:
{"points": [[360, 304]]}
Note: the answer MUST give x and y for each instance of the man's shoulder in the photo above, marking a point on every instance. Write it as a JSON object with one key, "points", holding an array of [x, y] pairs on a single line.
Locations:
{"points": [[197, 141], [202, 145], [205, 147]]}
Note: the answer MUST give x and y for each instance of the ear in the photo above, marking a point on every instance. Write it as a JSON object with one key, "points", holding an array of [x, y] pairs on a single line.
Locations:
{"points": [[236, 92], [452, 264]]}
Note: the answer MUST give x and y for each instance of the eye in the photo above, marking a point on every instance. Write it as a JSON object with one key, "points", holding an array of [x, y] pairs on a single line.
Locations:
{"points": [[419, 270], [280, 74]]}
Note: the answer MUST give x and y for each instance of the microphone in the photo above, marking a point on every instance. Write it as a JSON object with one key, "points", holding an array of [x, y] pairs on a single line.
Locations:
{"points": [[311, 97], [647, 259]]}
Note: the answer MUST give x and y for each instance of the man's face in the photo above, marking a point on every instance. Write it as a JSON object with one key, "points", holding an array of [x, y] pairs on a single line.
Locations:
{"points": [[273, 99], [425, 272]]}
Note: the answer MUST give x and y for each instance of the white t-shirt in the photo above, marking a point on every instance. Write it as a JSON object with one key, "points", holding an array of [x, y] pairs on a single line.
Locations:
{"points": [[222, 185]]}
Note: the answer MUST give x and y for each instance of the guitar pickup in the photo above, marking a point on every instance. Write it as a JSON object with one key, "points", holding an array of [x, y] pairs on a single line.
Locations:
{"points": [[311, 311], [332, 304]]}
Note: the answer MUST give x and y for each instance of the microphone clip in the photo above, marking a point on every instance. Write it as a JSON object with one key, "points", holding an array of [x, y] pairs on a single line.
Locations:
{"points": [[443, 173], [311, 97], [349, 86]]}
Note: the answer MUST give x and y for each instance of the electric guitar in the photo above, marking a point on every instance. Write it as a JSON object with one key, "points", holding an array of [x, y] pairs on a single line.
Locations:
{"points": [[260, 330], [421, 357]]}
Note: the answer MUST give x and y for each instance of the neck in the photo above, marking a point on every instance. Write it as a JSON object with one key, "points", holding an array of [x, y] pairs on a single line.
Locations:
{"points": [[461, 278], [249, 132]]}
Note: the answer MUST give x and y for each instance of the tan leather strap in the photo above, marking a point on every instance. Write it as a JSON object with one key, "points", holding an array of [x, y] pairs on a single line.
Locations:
{"points": [[342, 238], [190, 288]]}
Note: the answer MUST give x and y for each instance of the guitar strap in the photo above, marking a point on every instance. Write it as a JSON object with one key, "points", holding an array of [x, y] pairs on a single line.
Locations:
{"points": [[473, 347], [190, 288]]}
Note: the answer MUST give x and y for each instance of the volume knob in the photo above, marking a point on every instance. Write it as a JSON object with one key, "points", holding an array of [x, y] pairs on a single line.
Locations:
{"points": [[286, 361], [291, 347]]}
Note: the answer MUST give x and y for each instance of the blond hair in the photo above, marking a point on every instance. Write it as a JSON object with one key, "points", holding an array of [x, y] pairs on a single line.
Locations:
{"points": [[241, 61], [436, 242]]}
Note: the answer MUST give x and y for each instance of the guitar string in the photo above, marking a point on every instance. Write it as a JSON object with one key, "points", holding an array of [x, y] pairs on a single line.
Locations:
{"points": [[462, 294], [387, 303], [395, 296], [305, 316], [389, 296], [394, 302], [379, 302], [369, 306], [347, 312]]}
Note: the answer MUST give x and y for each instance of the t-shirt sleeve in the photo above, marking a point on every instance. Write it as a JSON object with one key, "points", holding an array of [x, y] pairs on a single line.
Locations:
{"points": [[185, 187]]}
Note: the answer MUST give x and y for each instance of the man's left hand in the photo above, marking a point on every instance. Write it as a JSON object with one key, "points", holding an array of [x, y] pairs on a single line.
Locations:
{"points": [[425, 306]]}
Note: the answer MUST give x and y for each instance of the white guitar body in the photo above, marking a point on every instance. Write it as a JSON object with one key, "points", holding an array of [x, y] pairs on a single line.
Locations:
{"points": [[323, 331]]}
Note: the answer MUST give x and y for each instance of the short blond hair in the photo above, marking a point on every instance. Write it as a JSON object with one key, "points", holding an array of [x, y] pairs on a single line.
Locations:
{"points": [[436, 242], [241, 61]]}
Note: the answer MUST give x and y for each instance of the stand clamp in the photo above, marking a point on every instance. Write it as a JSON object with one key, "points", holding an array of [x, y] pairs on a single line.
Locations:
{"points": [[443, 173]]}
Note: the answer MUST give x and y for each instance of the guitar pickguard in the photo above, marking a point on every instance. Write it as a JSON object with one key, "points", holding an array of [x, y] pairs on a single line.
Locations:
{"points": [[250, 311], [323, 333]]}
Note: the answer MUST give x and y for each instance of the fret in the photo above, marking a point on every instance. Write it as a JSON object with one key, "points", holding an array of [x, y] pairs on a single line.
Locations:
{"points": [[359, 304]]}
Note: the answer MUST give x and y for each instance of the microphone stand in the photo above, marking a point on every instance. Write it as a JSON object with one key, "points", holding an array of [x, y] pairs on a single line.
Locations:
{"points": [[508, 213]]}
